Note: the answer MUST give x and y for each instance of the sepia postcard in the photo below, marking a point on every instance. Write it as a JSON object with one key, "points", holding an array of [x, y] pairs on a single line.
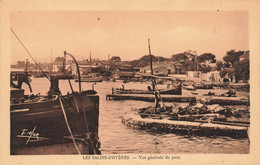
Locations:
{"points": [[136, 82]]}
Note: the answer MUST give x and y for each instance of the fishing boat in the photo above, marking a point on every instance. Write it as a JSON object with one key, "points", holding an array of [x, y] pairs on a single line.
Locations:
{"points": [[37, 75], [172, 91], [53, 123], [189, 87], [93, 77], [203, 85]]}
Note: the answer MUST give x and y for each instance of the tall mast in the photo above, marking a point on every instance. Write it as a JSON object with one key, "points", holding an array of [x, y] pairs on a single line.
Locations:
{"points": [[36, 66], [26, 65], [51, 62], [151, 64], [195, 63]]}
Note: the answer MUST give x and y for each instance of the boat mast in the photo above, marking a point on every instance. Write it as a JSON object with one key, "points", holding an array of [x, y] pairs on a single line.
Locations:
{"points": [[35, 72], [151, 64], [51, 63], [26, 65]]}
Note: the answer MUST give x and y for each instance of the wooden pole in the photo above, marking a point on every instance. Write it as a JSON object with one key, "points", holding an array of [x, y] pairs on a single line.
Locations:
{"points": [[51, 63], [151, 64]]}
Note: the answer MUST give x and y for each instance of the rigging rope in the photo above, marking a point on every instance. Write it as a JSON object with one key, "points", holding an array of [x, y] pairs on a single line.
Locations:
{"points": [[30, 55], [68, 126]]}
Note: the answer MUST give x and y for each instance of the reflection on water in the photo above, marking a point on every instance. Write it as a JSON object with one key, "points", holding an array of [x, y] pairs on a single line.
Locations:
{"points": [[117, 138]]}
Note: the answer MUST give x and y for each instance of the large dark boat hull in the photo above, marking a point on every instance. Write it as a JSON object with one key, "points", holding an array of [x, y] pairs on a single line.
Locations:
{"points": [[43, 124]]}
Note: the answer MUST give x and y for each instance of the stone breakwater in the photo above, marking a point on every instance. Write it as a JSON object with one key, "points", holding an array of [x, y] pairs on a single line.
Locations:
{"points": [[132, 119]]}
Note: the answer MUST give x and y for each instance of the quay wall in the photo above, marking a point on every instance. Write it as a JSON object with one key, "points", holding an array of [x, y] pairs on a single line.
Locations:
{"points": [[184, 127]]}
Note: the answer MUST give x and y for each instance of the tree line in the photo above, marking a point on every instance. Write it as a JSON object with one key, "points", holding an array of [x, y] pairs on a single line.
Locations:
{"points": [[234, 63], [205, 62]]}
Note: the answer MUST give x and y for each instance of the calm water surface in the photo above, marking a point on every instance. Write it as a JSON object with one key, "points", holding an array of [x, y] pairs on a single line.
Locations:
{"points": [[117, 138]]}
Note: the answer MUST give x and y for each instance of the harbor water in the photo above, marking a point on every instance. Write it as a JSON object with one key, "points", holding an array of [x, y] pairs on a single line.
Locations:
{"points": [[117, 138]]}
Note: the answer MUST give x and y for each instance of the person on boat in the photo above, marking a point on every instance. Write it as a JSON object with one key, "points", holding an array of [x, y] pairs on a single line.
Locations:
{"points": [[180, 84], [21, 78], [54, 89], [210, 94], [176, 84], [149, 88], [230, 93], [93, 86], [157, 106], [156, 101]]}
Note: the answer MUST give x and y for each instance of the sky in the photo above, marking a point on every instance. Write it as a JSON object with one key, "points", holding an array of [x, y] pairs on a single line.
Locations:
{"points": [[48, 34]]}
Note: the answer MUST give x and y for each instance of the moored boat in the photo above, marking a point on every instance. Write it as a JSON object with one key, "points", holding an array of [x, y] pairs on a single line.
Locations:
{"points": [[173, 91], [53, 123], [203, 85], [189, 87], [93, 77]]}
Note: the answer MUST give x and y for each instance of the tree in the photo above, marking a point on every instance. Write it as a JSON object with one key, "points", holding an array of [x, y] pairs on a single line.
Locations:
{"points": [[232, 57], [188, 65], [219, 65], [59, 59], [242, 71], [143, 61], [204, 68], [178, 57], [223, 72], [116, 58], [147, 58], [186, 59], [205, 60]]}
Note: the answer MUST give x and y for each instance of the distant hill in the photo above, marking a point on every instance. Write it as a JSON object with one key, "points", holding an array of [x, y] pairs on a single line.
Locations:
{"points": [[145, 60]]}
